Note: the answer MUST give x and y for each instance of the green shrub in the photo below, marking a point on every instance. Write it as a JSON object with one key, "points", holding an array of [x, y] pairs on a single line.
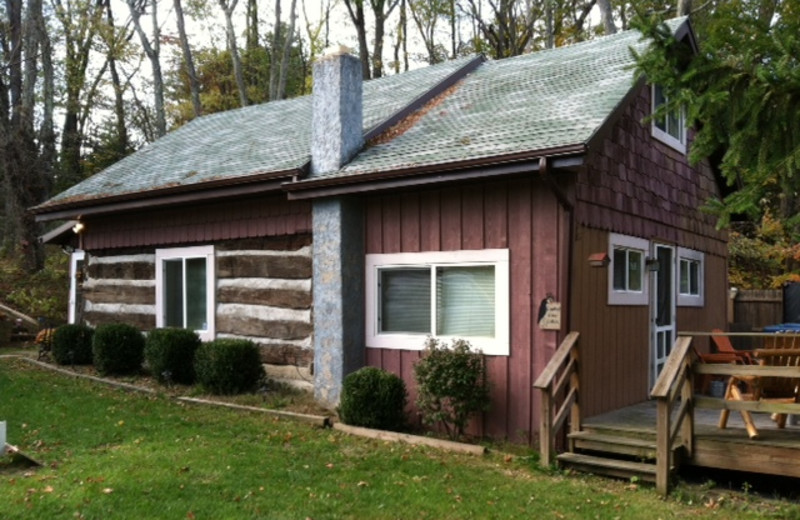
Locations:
{"points": [[118, 348], [373, 398], [452, 385], [72, 345], [170, 354], [228, 366]]}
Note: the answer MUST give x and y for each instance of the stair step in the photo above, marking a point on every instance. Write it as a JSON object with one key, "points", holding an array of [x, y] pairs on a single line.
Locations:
{"points": [[610, 467], [631, 446]]}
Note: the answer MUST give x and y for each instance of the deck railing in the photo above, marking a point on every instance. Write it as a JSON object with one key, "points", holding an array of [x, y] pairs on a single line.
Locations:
{"points": [[674, 391], [560, 385], [676, 400]]}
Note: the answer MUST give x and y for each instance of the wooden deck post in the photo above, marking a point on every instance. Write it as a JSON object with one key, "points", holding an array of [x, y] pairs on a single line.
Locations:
{"points": [[546, 444], [663, 449]]}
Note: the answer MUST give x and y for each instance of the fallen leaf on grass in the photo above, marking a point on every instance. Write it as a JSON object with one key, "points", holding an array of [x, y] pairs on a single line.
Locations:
{"points": [[108, 491], [362, 484]]}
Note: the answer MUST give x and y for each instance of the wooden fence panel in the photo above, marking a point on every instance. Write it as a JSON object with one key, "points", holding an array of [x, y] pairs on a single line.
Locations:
{"points": [[758, 308]]}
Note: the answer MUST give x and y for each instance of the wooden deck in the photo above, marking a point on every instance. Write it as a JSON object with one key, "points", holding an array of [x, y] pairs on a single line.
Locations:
{"points": [[775, 452]]}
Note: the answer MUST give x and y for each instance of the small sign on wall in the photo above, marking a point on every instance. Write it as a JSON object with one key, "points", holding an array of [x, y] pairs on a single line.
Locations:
{"points": [[550, 314]]}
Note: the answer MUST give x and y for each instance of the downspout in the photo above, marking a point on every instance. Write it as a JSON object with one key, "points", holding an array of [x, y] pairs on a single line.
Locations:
{"points": [[569, 207]]}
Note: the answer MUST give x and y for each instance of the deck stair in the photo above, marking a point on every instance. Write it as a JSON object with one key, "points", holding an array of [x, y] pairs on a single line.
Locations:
{"points": [[616, 453]]}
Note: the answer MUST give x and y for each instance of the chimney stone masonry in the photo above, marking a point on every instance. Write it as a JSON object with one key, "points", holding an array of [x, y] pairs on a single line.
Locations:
{"points": [[336, 125], [338, 227]]}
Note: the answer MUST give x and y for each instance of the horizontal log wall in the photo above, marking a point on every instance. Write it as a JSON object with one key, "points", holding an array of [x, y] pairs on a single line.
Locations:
{"points": [[263, 293], [120, 288]]}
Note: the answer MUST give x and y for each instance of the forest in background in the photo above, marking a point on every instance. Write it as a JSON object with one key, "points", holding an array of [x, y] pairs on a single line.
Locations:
{"points": [[86, 82]]}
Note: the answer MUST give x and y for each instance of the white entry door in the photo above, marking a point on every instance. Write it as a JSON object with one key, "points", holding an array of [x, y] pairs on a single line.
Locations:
{"points": [[662, 307]]}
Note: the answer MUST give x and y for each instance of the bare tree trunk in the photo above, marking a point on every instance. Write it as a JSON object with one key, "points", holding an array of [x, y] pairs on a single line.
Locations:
{"points": [[357, 17], [153, 54], [380, 23], [234, 49], [113, 40], [287, 47], [607, 15], [23, 175], [684, 7], [251, 33], [194, 85], [274, 60]]}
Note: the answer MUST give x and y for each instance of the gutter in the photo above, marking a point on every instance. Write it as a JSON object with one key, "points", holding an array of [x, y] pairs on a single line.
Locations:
{"points": [[559, 157], [204, 192]]}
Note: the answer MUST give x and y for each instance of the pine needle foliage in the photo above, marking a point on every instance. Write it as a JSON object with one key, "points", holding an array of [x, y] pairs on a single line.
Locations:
{"points": [[741, 91]]}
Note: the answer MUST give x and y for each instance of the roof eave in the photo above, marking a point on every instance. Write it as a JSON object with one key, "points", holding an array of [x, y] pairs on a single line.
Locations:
{"points": [[564, 157], [203, 192]]}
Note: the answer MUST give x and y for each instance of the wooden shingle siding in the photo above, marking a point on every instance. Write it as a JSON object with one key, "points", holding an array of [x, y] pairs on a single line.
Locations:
{"points": [[636, 185], [521, 215], [271, 216]]}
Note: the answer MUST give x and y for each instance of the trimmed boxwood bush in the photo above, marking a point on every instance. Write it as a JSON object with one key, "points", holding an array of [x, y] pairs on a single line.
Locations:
{"points": [[228, 366], [170, 354], [373, 398], [118, 348], [72, 345]]}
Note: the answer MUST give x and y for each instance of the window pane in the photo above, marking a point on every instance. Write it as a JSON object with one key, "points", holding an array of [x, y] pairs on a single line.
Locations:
{"points": [[173, 293], [465, 301], [634, 270], [684, 282], [675, 127], [694, 278], [659, 99], [620, 267], [196, 294], [405, 304]]}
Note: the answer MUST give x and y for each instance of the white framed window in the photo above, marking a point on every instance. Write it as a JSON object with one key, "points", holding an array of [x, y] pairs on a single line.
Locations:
{"points": [[691, 278], [671, 127], [448, 295], [627, 283], [185, 289]]}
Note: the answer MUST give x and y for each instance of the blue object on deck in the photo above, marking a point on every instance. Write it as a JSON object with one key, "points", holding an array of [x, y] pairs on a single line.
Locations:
{"points": [[783, 327]]}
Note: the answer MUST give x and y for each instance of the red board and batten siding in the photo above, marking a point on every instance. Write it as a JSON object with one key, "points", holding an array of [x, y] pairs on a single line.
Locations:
{"points": [[212, 222], [521, 215]]}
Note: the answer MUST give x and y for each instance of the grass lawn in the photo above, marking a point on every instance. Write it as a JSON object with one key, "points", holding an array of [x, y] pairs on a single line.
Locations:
{"points": [[112, 454]]}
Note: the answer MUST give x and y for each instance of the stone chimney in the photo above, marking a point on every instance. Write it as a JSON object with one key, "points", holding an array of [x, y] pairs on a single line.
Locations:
{"points": [[336, 122]]}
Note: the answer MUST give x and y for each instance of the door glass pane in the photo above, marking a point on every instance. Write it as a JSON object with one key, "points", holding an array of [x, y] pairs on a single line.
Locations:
{"points": [[465, 301], [196, 297], [173, 293], [405, 304], [664, 287], [635, 271]]}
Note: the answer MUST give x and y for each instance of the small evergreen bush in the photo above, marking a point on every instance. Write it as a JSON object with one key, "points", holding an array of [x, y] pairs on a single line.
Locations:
{"points": [[118, 348], [72, 344], [373, 398], [452, 385], [228, 366], [170, 354]]}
